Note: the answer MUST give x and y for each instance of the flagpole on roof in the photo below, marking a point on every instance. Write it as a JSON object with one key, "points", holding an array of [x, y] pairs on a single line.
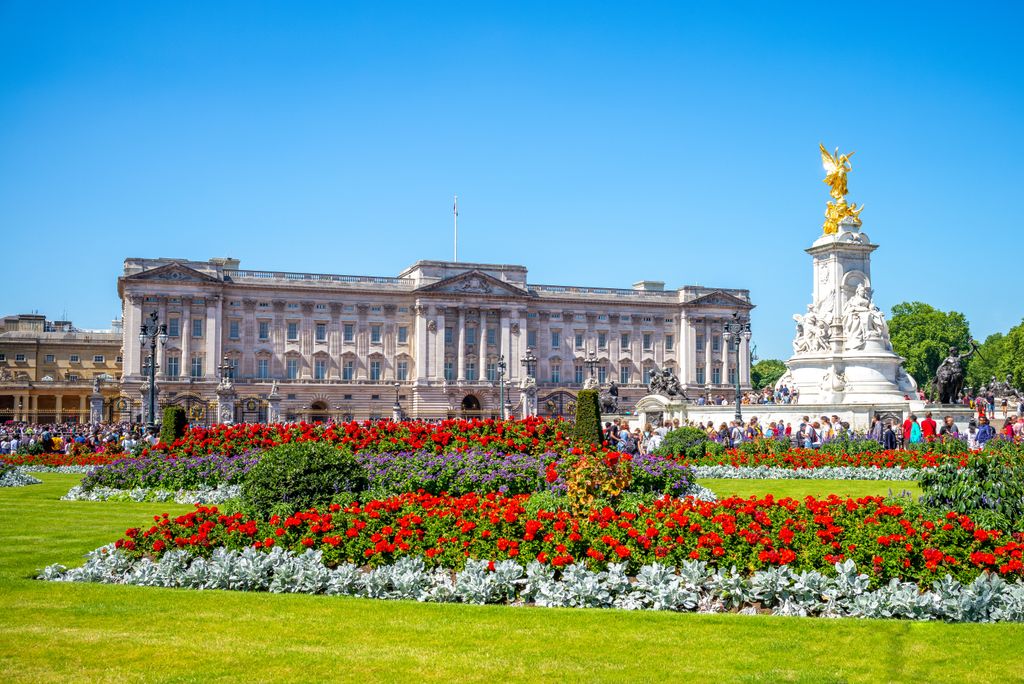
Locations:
{"points": [[455, 210]]}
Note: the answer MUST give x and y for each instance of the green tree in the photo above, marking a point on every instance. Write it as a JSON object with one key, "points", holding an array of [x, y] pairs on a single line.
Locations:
{"points": [[587, 429], [999, 355], [923, 334], [766, 372], [174, 424]]}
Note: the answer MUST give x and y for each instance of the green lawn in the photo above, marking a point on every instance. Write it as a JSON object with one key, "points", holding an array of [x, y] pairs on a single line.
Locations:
{"points": [[107, 633], [801, 488]]}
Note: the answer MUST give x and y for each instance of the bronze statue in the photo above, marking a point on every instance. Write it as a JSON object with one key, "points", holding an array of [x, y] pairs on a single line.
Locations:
{"points": [[609, 399], [836, 167], [665, 383], [949, 376]]}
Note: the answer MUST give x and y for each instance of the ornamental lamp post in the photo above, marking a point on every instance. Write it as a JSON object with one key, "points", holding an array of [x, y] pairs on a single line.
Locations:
{"points": [[735, 328], [529, 362], [396, 410], [591, 362], [149, 332], [501, 384]]}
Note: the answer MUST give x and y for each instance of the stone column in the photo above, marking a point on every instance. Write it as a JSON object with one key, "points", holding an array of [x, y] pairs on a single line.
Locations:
{"points": [[482, 334], [422, 353], [684, 350], [132, 366], [707, 352], [334, 342], [249, 330], [439, 347], [505, 341], [34, 408], [306, 341], [58, 407], [82, 413], [185, 328], [362, 343], [461, 333], [726, 359], [744, 369], [212, 359]]}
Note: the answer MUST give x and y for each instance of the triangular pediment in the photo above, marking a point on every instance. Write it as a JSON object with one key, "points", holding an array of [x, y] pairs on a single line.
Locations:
{"points": [[720, 298], [475, 283], [173, 272]]}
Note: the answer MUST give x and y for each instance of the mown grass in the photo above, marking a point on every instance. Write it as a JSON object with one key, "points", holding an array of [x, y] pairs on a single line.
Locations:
{"points": [[798, 489], [61, 632]]}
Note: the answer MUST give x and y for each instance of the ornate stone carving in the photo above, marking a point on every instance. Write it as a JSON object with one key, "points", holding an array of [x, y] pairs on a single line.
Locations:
{"points": [[812, 333], [432, 326], [278, 305], [307, 307], [863, 321], [514, 328], [249, 304], [665, 383]]}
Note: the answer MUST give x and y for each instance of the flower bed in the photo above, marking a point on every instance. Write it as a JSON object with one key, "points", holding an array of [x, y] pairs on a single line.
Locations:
{"points": [[203, 495], [14, 477], [812, 458], [55, 461], [694, 586], [750, 534], [395, 472], [824, 473]]}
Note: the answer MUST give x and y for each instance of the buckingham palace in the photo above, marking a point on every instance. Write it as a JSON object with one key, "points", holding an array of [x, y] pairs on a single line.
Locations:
{"points": [[440, 339]]}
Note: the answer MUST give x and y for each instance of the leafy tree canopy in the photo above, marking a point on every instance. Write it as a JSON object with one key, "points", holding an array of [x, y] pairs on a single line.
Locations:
{"points": [[766, 373], [1000, 354], [923, 334]]}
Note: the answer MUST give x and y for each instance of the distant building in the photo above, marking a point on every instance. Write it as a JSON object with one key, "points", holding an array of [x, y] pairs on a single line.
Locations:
{"points": [[47, 368], [337, 345]]}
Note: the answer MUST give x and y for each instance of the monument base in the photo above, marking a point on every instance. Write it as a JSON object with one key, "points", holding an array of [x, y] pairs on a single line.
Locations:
{"points": [[655, 408]]}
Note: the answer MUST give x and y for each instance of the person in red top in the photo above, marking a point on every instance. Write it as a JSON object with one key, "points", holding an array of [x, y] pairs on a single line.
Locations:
{"points": [[928, 428], [906, 431]]}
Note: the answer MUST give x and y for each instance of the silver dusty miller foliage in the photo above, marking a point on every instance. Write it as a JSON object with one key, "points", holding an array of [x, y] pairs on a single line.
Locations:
{"points": [[694, 586]]}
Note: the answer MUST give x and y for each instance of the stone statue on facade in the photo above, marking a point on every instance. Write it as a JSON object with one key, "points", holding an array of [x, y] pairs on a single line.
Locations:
{"points": [[812, 334], [96, 385], [863, 321], [665, 383], [949, 376]]}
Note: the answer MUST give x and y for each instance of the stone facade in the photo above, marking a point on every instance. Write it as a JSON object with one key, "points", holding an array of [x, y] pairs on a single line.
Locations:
{"points": [[342, 346], [48, 369]]}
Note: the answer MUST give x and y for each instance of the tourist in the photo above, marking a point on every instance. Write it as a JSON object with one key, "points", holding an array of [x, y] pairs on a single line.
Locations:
{"points": [[972, 435], [949, 429], [1007, 431], [876, 430], [906, 430], [985, 432], [889, 439], [915, 430], [928, 427]]}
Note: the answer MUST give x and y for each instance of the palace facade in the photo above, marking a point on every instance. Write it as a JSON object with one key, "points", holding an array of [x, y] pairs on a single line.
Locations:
{"points": [[340, 346]]}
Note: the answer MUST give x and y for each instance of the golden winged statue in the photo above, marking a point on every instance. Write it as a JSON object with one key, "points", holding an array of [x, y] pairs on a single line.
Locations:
{"points": [[836, 167]]}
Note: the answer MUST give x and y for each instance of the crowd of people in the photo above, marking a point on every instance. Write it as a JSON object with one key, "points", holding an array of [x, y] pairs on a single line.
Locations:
{"points": [[61, 437], [779, 395]]}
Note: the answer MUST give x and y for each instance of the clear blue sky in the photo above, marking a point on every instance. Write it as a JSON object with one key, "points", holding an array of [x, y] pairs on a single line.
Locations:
{"points": [[595, 143]]}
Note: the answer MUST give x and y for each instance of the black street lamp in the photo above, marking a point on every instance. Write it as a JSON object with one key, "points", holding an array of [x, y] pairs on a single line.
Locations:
{"points": [[735, 328], [501, 384], [591, 362], [149, 332], [396, 410]]}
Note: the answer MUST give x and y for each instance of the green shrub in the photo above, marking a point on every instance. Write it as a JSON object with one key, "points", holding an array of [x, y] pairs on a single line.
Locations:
{"points": [[950, 447], [175, 421], [689, 442], [764, 445], [988, 484], [297, 476], [587, 428]]}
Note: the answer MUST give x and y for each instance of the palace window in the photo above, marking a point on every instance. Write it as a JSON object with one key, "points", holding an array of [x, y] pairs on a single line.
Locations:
{"points": [[716, 375], [470, 335], [646, 377], [556, 339], [99, 358], [602, 374], [579, 374], [602, 340], [375, 371], [699, 344], [492, 371], [732, 376], [263, 369], [264, 330], [449, 335], [402, 371], [321, 332], [716, 343], [670, 342], [348, 332], [375, 333], [578, 340], [234, 331], [624, 373], [293, 331], [72, 377], [196, 369], [321, 307], [470, 371], [292, 368], [19, 357], [174, 327], [492, 336], [624, 341], [700, 376], [449, 371], [173, 366], [647, 341], [319, 369], [556, 372], [348, 370], [49, 358], [403, 334], [197, 327], [531, 338], [74, 358]]}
